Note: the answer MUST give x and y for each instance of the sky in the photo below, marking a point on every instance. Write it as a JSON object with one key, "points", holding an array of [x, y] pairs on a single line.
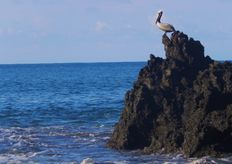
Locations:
{"points": [[60, 31]]}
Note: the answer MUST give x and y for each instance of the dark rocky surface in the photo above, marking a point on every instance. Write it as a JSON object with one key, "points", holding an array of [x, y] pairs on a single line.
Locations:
{"points": [[181, 104]]}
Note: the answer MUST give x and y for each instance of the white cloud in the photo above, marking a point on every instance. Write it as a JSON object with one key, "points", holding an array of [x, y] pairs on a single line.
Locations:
{"points": [[101, 26]]}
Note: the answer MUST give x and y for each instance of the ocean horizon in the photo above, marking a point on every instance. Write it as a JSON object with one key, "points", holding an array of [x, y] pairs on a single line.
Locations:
{"points": [[48, 63], [85, 62]]}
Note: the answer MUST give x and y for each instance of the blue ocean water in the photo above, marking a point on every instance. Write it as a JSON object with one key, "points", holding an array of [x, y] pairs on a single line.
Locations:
{"points": [[63, 113]]}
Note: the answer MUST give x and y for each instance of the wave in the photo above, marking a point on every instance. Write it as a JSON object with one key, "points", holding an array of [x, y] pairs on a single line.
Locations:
{"points": [[211, 160], [33, 143]]}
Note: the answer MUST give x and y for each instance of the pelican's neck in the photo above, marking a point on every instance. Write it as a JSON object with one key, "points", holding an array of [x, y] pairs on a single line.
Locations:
{"points": [[159, 24], [158, 19]]}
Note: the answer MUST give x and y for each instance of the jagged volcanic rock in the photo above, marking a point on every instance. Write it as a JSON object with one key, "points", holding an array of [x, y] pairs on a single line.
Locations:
{"points": [[179, 104]]}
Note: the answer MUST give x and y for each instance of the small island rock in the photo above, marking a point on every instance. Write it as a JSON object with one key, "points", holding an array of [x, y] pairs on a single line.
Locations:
{"points": [[181, 104]]}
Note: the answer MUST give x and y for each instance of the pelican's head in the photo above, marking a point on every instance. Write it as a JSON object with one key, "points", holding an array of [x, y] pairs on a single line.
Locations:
{"points": [[160, 12]]}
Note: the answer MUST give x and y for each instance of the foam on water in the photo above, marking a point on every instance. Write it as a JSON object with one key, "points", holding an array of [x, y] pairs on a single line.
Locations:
{"points": [[22, 144]]}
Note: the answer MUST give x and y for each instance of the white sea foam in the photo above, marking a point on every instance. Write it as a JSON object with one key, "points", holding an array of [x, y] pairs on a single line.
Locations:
{"points": [[106, 138], [210, 160], [91, 135], [87, 161], [17, 158], [228, 160], [93, 140]]}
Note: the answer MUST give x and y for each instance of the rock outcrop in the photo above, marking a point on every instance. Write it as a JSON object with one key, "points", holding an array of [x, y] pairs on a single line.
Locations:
{"points": [[179, 104]]}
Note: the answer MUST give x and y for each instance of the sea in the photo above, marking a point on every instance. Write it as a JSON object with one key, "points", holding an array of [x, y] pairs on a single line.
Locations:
{"points": [[65, 113]]}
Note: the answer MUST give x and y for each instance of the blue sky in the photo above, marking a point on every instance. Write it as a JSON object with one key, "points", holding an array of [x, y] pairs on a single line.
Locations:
{"points": [[54, 31]]}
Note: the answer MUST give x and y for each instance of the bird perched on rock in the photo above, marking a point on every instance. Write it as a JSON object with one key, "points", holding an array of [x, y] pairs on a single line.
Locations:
{"points": [[163, 26]]}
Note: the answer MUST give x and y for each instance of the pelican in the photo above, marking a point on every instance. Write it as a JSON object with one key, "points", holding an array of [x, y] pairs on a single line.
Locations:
{"points": [[163, 26]]}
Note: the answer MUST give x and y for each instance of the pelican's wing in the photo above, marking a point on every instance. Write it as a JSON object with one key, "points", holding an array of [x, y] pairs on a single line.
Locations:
{"points": [[166, 27]]}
